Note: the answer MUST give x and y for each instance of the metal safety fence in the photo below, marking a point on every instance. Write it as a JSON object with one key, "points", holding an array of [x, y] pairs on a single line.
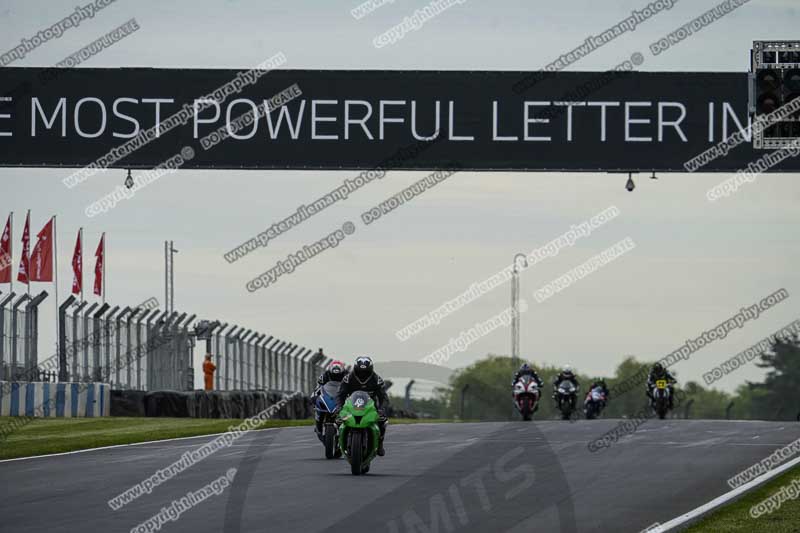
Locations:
{"points": [[19, 335], [144, 348]]}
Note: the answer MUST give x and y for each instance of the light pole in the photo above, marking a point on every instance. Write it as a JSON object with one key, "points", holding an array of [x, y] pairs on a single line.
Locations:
{"points": [[515, 308], [515, 316], [169, 276]]}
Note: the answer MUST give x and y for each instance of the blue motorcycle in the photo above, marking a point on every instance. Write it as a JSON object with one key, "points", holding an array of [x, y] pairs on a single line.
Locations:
{"points": [[325, 427]]}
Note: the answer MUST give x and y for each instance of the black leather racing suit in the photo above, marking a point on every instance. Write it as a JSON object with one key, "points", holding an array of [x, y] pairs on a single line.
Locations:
{"points": [[532, 373], [671, 381], [561, 377], [374, 386]]}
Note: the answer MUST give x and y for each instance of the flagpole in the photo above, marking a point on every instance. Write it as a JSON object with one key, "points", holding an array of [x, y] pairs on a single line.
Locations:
{"points": [[105, 256], [55, 280], [11, 255], [28, 274], [80, 232]]}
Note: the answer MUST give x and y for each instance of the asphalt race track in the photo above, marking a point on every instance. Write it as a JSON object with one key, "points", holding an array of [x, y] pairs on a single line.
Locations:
{"points": [[517, 476]]}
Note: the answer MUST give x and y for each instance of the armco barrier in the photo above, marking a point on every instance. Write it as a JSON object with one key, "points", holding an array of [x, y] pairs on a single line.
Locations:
{"points": [[69, 400], [207, 404]]}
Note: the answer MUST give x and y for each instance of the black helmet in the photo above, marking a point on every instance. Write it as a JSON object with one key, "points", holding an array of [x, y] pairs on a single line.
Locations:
{"points": [[525, 367], [658, 369], [363, 368], [336, 370]]}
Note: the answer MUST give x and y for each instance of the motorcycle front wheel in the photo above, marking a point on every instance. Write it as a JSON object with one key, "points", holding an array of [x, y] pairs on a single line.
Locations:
{"points": [[526, 411], [356, 452], [329, 433]]}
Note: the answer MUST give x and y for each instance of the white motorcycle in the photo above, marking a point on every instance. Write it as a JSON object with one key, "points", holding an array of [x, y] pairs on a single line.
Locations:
{"points": [[594, 403], [526, 396]]}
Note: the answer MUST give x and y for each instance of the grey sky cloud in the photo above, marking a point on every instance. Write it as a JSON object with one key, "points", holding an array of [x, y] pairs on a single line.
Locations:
{"points": [[694, 265]]}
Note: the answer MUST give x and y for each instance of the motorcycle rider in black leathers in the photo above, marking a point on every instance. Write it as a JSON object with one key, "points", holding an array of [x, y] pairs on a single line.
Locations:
{"points": [[334, 372], [527, 370], [364, 378], [656, 373], [566, 374]]}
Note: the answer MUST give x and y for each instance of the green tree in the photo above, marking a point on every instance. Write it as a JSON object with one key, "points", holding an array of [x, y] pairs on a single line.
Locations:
{"points": [[779, 396], [488, 393]]}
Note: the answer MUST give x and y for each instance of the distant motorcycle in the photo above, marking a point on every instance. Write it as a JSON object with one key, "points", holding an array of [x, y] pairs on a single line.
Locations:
{"points": [[325, 405], [594, 403], [566, 398], [660, 395], [526, 396]]}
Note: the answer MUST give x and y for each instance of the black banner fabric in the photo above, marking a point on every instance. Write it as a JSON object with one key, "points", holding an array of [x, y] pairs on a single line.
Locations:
{"points": [[302, 119]]}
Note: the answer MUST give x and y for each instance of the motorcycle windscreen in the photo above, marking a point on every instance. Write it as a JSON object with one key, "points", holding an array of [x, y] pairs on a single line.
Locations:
{"points": [[359, 400], [328, 396]]}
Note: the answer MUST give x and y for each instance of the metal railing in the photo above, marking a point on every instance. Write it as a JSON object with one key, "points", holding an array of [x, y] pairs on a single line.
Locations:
{"points": [[149, 349], [19, 335]]}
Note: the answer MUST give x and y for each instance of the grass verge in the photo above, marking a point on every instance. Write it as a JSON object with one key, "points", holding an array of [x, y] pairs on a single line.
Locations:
{"points": [[57, 435], [735, 517]]}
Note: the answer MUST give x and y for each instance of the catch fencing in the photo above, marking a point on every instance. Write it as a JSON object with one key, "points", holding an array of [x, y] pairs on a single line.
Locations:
{"points": [[144, 348], [19, 333]]}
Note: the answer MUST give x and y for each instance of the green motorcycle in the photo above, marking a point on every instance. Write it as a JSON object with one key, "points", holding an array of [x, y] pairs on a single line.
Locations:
{"points": [[359, 433]]}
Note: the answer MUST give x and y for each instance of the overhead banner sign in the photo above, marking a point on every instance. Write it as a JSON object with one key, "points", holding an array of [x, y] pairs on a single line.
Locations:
{"points": [[311, 119]]}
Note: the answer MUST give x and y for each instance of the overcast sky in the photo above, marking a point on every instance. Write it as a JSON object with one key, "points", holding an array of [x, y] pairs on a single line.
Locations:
{"points": [[695, 263]]}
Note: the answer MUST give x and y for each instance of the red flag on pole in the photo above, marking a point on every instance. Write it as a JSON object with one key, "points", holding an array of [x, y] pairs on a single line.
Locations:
{"points": [[24, 262], [98, 266], [5, 253], [41, 262], [77, 267]]}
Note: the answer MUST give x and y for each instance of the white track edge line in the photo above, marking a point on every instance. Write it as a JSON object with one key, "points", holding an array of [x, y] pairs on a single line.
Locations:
{"points": [[134, 444], [170, 440], [720, 500]]}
